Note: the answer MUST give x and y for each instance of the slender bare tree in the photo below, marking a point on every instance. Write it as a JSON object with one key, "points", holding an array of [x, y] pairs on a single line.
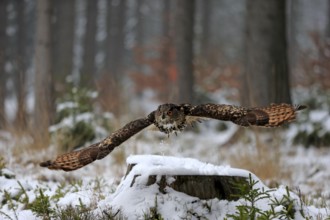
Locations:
{"points": [[266, 68], [206, 19], [115, 38], [328, 22], [44, 103], [21, 61], [166, 50], [3, 77], [88, 68], [184, 35], [109, 85], [63, 32]]}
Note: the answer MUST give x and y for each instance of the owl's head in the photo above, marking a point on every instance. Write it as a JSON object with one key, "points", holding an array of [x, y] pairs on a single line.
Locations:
{"points": [[170, 118]]}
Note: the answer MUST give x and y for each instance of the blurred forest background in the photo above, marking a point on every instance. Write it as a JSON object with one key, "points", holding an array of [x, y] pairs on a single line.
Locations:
{"points": [[110, 55]]}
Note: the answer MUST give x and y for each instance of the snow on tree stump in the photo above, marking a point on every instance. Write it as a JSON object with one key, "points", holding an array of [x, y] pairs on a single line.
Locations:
{"points": [[189, 176], [182, 188]]}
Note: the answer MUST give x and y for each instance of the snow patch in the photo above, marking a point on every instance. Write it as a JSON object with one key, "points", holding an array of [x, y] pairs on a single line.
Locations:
{"points": [[318, 115]]}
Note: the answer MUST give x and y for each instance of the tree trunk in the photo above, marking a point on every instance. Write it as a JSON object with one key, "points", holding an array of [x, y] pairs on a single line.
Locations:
{"points": [[184, 33], [295, 28], [109, 86], [139, 31], [140, 23], [43, 77], [87, 74], [3, 74], [166, 58], [201, 186], [206, 21], [115, 38], [267, 75], [63, 30], [20, 74], [327, 34]]}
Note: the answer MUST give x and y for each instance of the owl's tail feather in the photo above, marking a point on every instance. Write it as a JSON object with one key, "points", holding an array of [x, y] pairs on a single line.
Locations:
{"points": [[272, 116]]}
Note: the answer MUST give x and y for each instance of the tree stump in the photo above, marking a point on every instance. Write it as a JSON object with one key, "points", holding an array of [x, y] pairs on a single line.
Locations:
{"points": [[205, 187]]}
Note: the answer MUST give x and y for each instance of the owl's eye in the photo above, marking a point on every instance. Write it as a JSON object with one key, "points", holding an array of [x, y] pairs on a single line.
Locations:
{"points": [[169, 113]]}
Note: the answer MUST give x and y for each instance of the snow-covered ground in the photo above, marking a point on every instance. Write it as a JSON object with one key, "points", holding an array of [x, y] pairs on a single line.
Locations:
{"points": [[135, 201], [100, 186]]}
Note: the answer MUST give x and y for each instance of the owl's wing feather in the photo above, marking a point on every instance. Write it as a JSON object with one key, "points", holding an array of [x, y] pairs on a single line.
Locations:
{"points": [[270, 116], [77, 159]]}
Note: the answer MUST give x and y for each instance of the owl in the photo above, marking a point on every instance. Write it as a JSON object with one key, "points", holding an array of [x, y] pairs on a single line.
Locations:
{"points": [[172, 118]]}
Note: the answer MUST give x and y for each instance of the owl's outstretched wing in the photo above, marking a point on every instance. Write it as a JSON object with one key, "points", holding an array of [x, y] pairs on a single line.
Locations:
{"points": [[77, 159], [271, 116]]}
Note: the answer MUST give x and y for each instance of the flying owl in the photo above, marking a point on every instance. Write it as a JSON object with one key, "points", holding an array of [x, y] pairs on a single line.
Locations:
{"points": [[171, 118]]}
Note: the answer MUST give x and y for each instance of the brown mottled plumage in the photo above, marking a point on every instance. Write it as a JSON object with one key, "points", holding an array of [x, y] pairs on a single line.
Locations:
{"points": [[170, 118]]}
